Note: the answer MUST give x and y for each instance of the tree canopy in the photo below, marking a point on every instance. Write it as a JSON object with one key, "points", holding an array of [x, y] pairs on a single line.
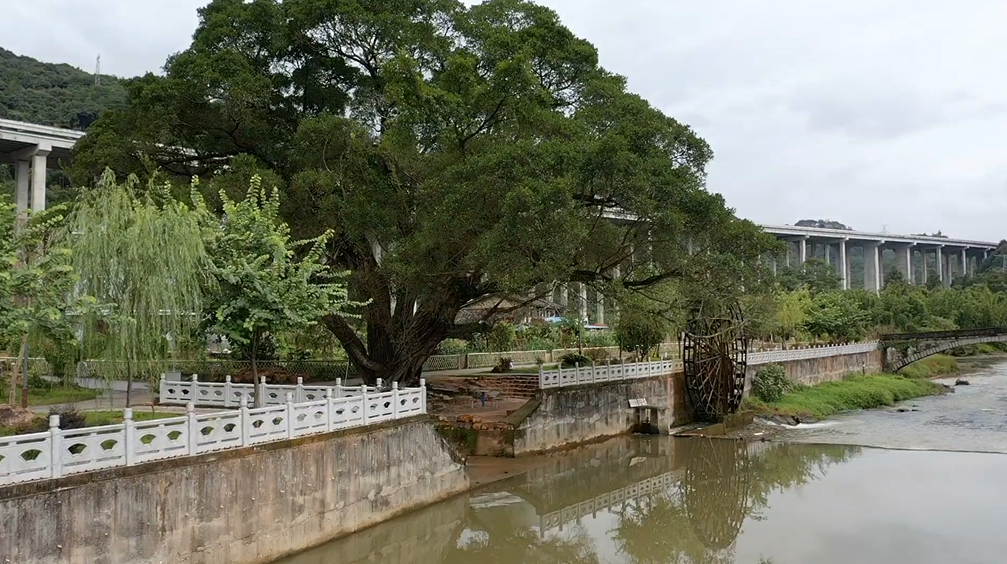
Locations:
{"points": [[141, 256], [53, 94], [454, 152], [260, 288]]}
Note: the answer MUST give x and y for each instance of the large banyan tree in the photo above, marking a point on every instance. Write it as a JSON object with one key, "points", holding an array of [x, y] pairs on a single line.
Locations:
{"points": [[456, 152]]}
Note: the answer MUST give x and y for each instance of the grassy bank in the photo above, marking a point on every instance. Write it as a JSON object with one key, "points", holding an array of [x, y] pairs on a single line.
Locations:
{"points": [[857, 392], [931, 367], [53, 395]]}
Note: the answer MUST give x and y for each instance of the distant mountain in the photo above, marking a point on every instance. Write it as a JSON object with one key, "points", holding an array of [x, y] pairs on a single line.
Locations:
{"points": [[823, 224], [54, 94]]}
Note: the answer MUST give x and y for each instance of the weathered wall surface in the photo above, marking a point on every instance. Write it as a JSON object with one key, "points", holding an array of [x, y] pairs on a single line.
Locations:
{"points": [[814, 371], [246, 506], [578, 414]]}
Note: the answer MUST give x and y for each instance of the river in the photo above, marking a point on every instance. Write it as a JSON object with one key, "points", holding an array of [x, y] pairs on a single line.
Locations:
{"points": [[660, 500]]}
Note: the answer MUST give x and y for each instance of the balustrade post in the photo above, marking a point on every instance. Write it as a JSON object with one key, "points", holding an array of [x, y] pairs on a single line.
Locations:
{"points": [[395, 400], [130, 431], [328, 410], [290, 415], [576, 373], [423, 394], [194, 388], [608, 369], [594, 375], [339, 388], [559, 375], [246, 424], [380, 385], [363, 403], [162, 389], [192, 425], [300, 390], [227, 391], [55, 447], [262, 392]]}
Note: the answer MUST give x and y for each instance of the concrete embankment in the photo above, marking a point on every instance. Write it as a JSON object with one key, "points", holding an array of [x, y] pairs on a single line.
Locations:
{"points": [[564, 417], [244, 506]]}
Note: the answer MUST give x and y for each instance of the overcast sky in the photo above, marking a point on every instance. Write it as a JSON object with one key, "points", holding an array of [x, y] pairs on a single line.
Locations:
{"points": [[877, 113]]}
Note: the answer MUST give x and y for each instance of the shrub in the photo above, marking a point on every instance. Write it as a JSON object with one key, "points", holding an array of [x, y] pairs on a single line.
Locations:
{"points": [[574, 359], [597, 356], [69, 417], [502, 336], [452, 346], [504, 364], [771, 383]]}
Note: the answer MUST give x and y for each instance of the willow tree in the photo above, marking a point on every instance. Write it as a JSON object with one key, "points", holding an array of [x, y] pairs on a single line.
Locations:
{"points": [[140, 254]]}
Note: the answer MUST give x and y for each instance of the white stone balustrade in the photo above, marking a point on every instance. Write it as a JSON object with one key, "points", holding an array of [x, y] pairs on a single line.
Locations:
{"points": [[594, 374], [821, 351], [57, 453], [230, 394], [580, 375]]}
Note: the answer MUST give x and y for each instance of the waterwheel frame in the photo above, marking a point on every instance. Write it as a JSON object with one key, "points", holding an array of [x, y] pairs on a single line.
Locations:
{"points": [[716, 490], [714, 358]]}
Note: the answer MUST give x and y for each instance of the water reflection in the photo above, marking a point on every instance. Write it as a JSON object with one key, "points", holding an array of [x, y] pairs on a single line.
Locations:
{"points": [[635, 500]]}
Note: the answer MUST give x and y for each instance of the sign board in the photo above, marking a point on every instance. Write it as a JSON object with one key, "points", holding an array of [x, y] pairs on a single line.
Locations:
{"points": [[639, 402]]}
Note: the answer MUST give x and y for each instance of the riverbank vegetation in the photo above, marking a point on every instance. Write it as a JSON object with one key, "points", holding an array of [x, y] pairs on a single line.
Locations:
{"points": [[931, 367], [858, 392]]}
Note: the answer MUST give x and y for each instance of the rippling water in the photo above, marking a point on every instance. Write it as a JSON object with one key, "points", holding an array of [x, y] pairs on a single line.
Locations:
{"points": [[663, 500], [974, 419]]}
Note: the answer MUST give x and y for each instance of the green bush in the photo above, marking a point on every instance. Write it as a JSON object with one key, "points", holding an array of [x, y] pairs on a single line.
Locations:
{"points": [[452, 346], [770, 383], [575, 359]]}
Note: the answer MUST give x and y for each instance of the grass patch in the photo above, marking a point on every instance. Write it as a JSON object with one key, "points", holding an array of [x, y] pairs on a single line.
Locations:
{"points": [[931, 367], [53, 395], [99, 418], [857, 392]]}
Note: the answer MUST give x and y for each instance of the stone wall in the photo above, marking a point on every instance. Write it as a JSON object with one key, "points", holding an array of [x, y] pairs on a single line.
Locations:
{"points": [[815, 371], [569, 416], [244, 506]]}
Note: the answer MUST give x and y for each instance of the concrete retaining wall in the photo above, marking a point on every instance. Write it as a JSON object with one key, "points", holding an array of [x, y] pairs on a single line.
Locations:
{"points": [[568, 416], [815, 371], [245, 506]]}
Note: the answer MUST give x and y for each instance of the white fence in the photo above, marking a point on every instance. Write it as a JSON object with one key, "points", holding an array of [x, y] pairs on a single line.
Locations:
{"points": [[229, 394], [58, 453], [769, 357], [608, 372], [613, 372]]}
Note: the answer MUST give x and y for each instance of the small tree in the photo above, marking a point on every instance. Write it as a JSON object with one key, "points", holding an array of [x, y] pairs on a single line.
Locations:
{"points": [[36, 282], [261, 288], [142, 257]]}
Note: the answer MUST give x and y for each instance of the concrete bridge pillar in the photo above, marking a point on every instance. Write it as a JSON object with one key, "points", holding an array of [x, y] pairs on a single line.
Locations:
{"points": [[965, 262], [22, 180], [582, 301], [843, 265], [872, 267], [904, 261]]}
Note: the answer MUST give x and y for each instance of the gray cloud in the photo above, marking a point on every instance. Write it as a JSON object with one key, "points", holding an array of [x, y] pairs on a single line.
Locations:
{"points": [[871, 113]]}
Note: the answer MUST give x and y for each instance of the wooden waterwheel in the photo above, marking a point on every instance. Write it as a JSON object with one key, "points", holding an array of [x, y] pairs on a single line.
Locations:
{"points": [[714, 355]]}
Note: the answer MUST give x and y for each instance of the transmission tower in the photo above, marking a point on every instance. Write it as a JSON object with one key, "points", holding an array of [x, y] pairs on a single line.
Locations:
{"points": [[97, 71]]}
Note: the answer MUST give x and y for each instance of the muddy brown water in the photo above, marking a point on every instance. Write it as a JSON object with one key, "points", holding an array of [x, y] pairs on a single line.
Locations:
{"points": [[650, 500]]}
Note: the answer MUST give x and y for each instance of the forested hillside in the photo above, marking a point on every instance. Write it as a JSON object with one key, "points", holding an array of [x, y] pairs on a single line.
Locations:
{"points": [[53, 94]]}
